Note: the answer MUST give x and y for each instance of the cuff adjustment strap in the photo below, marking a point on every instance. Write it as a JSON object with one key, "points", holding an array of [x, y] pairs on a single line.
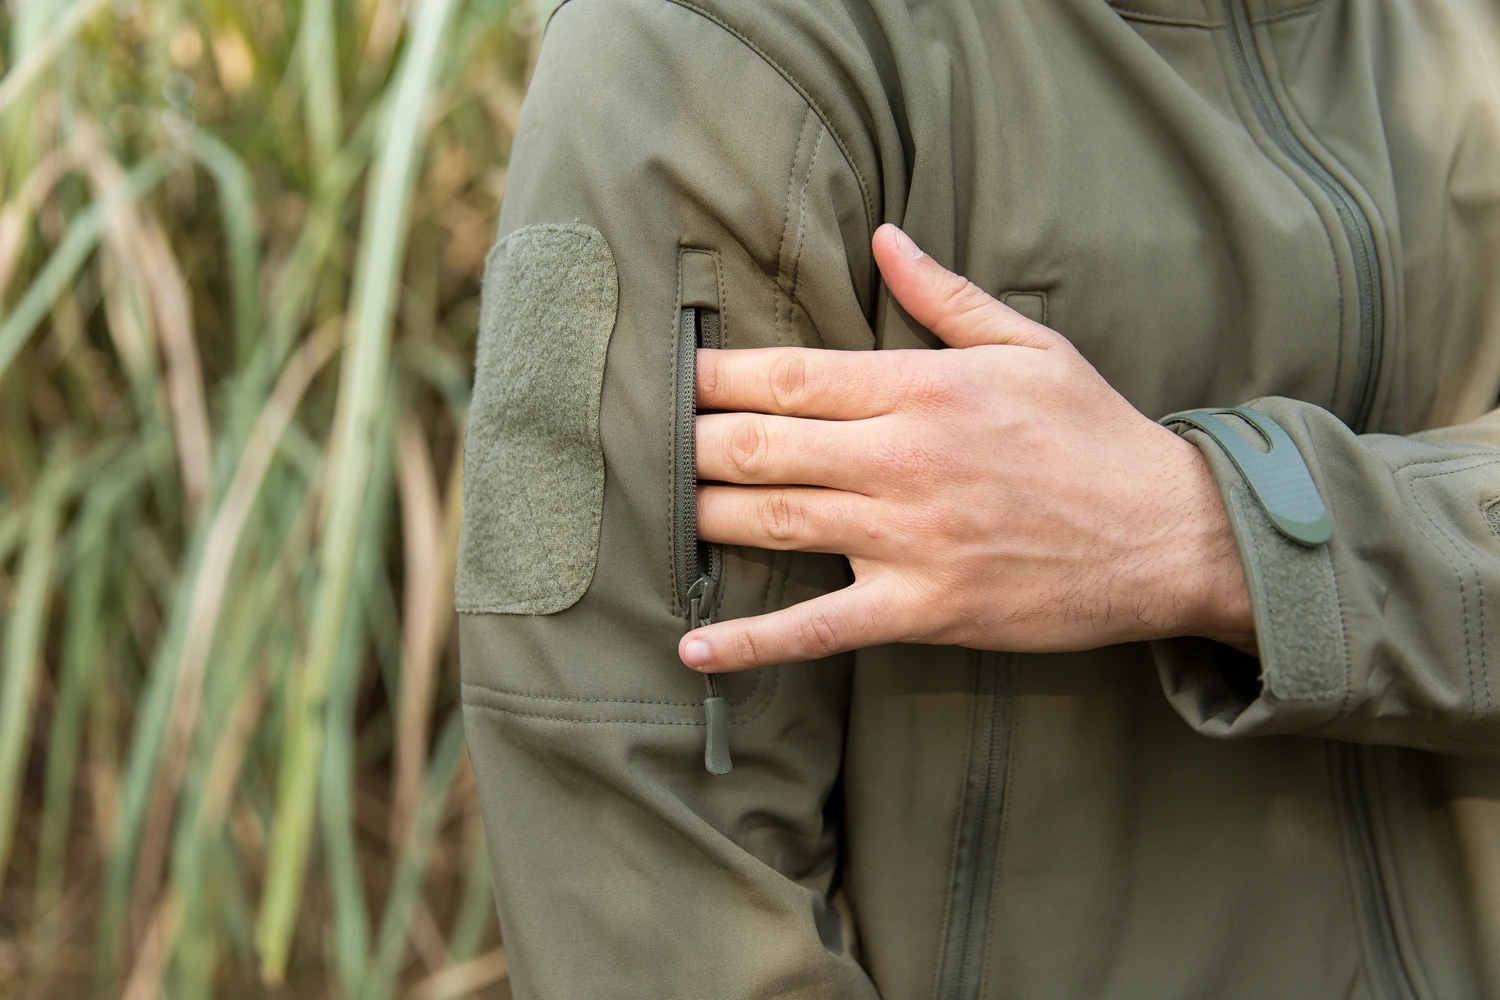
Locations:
{"points": [[1277, 477]]}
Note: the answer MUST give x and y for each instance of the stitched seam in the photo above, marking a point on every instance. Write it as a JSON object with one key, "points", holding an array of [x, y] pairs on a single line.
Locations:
{"points": [[1189, 22], [765, 703], [1478, 584], [963, 795], [480, 706], [791, 314], [1478, 461], [1011, 665], [573, 596], [786, 224], [1289, 14], [1347, 705], [673, 377], [1269, 603], [1463, 602], [1033, 293], [723, 299], [1131, 14], [753, 46], [765, 595], [511, 693]]}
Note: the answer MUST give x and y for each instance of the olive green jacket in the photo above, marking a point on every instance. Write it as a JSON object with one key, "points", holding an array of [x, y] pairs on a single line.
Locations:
{"points": [[1284, 204]]}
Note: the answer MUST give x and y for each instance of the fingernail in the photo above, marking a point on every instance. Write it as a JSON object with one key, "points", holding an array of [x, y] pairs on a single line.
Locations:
{"points": [[905, 245], [696, 653]]}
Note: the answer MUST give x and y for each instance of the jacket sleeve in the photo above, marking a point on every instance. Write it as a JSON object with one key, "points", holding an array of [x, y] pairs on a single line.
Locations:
{"points": [[1386, 634], [665, 178]]}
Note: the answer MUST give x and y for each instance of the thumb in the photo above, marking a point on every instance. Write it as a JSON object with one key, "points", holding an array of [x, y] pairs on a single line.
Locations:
{"points": [[948, 304]]}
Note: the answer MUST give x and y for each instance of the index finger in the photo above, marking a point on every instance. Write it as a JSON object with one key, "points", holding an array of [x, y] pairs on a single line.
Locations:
{"points": [[797, 382]]}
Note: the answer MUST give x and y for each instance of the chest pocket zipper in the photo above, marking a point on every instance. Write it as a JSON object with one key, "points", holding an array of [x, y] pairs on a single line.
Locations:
{"points": [[697, 566]]}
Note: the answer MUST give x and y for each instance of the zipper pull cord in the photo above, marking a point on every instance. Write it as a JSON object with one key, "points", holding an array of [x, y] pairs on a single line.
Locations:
{"points": [[715, 708]]}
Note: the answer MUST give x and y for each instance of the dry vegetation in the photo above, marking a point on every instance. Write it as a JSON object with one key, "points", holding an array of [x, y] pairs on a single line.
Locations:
{"points": [[240, 244]]}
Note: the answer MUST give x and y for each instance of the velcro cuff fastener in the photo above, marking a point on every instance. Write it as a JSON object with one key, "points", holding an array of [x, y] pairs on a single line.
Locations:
{"points": [[1277, 477]]}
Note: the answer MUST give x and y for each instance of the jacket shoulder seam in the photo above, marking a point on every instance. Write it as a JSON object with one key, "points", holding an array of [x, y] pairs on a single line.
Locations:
{"points": [[804, 93]]}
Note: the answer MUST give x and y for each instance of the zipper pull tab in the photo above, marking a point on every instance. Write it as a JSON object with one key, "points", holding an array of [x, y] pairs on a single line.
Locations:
{"points": [[716, 744], [702, 598]]}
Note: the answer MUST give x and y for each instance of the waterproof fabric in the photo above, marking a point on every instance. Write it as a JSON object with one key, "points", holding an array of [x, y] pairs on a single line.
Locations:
{"points": [[1288, 205]]}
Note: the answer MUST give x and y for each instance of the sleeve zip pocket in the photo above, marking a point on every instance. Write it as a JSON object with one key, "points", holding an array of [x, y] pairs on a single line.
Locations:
{"points": [[697, 566]]}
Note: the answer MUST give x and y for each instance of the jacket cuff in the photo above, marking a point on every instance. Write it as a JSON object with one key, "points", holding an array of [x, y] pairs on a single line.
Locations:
{"points": [[1282, 530]]}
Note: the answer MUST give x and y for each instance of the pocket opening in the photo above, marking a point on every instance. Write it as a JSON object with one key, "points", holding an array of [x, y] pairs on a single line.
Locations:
{"points": [[697, 565]]}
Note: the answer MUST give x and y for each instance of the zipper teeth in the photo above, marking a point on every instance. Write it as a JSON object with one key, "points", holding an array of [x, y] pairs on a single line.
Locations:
{"points": [[684, 472], [1356, 224], [1390, 970], [961, 973], [708, 334]]}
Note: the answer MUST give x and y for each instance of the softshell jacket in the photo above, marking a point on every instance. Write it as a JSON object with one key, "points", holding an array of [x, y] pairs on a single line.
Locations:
{"points": [[1286, 205]]}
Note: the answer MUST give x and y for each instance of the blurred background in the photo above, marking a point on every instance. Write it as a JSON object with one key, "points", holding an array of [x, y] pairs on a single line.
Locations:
{"points": [[240, 252]]}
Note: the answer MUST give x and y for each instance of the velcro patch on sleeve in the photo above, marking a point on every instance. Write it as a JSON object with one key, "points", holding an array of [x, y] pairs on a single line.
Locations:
{"points": [[534, 463]]}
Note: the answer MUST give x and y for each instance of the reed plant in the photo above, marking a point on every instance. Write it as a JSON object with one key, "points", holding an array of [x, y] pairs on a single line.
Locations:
{"points": [[240, 252]]}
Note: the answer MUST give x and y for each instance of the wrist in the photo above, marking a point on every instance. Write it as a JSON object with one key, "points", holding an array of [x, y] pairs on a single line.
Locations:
{"points": [[1209, 587]]}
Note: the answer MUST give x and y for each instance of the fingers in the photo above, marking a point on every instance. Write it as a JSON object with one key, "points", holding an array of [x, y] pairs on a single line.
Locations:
{"points": [[795, 381], [951, 306], [755, 449], [800, 518], [852, 618]]}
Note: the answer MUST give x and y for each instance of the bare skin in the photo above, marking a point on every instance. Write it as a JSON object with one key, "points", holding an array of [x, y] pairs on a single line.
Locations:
{"points": [[1000, 495]]}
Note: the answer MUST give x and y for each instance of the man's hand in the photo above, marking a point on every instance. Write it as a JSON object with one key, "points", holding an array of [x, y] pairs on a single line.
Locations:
{"points": [[999, 496]]}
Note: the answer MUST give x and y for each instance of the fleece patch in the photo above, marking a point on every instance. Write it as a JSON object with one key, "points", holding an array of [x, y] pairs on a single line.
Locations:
{"points": [[1298, 620], [533, 463]]}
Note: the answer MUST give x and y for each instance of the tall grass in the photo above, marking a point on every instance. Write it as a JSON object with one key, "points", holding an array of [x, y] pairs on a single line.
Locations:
{"points": [[240, 246]]}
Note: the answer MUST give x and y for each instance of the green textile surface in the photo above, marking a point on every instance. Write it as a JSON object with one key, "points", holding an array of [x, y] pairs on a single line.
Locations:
{"points": [[1297, 613], [534, 468]]}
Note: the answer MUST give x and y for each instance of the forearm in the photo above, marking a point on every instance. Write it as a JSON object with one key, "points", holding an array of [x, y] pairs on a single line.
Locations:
{"points": [[1384, 633]]}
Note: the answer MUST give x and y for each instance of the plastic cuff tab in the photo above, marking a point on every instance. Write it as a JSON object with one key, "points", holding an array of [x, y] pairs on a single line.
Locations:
{"points": [[1278, 477]]}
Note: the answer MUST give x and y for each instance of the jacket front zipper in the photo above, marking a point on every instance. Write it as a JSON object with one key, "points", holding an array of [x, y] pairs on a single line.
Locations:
{"points": [[698, 566], [1349, 785], [1356, 225], [976, 852], [1390, 970]]}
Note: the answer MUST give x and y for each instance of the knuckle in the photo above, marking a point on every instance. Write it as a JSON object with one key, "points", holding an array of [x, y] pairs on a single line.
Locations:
{"points": [[822, 632], [963, 297], [781, 517], [788, 378], [748, 445], [745, 648]]}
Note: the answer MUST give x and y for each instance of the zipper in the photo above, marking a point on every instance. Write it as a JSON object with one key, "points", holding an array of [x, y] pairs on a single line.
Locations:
{"points": [[1349, 784], [1385, 955], [976, 853], [698, 566], [1390, 970], [1356, 224]]}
